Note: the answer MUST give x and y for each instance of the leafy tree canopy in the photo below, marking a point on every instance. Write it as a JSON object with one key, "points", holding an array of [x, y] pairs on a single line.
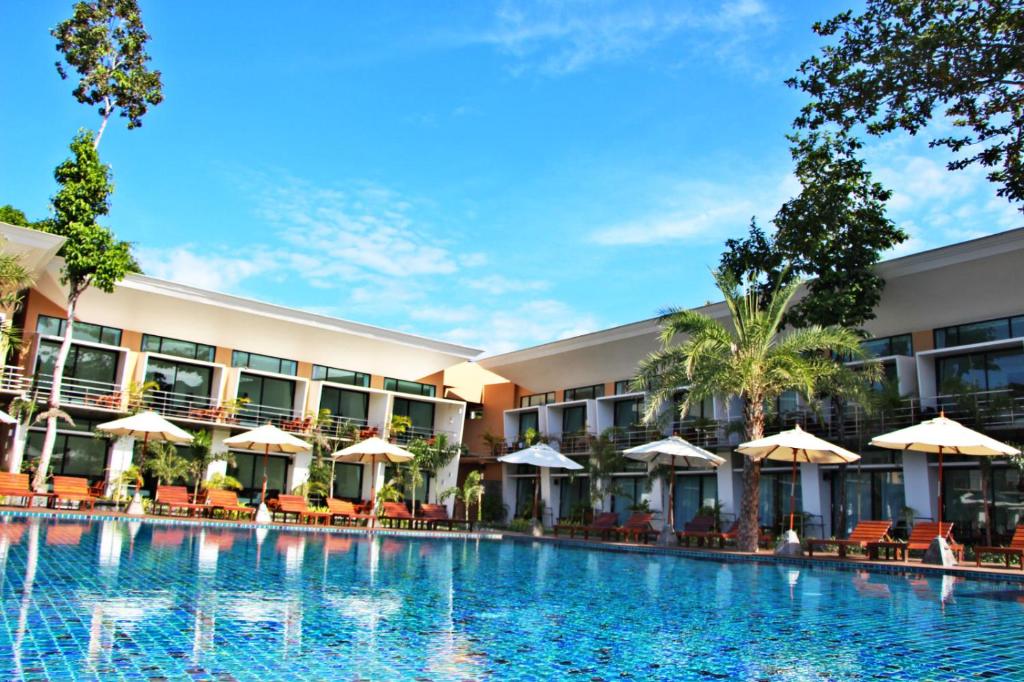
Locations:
{"points": [[105, 42], [901, 63]]}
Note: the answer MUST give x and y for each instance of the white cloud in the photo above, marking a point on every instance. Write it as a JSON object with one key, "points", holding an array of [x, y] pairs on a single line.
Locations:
{"points": [[190, 265], [558, 38], [496, 285], [528, 323]]}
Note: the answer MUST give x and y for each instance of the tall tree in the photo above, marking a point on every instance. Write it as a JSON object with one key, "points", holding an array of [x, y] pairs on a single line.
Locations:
{"points": [[14, 279], [13, 216], [92, 257], [833, 232], [105, 42], [753, 361], [901, 63]]}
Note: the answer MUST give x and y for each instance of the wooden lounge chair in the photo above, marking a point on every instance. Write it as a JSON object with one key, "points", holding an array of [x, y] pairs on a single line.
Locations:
{"points": [[227, 502], [345, 511], [637, 528], [763, 538], [72, 489], [701, 528], [171, 499], [17, 486], [921, 536], [602, 525], [434, 515], [865, 532], [395, 513], [1016, 549], [295, 505]]}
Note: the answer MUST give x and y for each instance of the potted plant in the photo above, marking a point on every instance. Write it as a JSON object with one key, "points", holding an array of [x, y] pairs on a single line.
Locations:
{"points": [[399, 425]]}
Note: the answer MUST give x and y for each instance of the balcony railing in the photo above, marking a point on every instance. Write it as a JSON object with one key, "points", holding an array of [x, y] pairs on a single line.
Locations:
{"points": [[575, 444], [706, 433], [186, 406], [12, 379], [253, 414], [348, 427], [411, 433], [94, 394], [630, 438]]}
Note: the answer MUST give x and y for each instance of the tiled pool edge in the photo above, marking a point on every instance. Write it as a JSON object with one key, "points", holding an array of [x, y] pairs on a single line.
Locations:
{"points": [[247, 525], [894, 568]]}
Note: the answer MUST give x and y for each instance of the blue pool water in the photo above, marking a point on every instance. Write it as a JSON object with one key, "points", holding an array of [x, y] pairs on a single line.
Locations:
{"points": [[110, 600]]}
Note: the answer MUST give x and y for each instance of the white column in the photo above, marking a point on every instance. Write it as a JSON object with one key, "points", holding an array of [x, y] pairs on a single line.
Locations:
{"points": [[659, 500], [508, 490], [120, 460], [729, 488], [14, 448], [920, 484], [299, 472], [219, 466], [545, 492], [446, 477], [813, 498]]}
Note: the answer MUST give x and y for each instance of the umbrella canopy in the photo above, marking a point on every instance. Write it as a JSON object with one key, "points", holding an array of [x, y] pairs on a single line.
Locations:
{"points": [[674, 451], [149, 425], [945, 436], [7, 419], [372, 451], [541, 455], [268, 438], [796, 445]]}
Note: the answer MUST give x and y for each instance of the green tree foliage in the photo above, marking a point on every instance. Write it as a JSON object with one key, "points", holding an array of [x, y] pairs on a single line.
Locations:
{"points": [[203, 456], [428, 456], [13, 216], [833, 232], [753, 361], [605, 460], [14, 279], [471, 492], [105, 42], [92, 256], [901, 63], [164, 462]]}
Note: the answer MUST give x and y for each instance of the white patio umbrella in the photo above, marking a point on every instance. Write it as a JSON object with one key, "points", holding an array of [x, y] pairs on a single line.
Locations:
{"points": [[944, 436], [267, 438], [149, 425], [674, 451], [541, 456], [7, 419], [372, 451], [796, 445]]}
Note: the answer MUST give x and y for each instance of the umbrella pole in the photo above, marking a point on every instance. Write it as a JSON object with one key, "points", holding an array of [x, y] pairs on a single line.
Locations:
{"points": [[536, 496], [266, 463], [373, 492], [672, 497], [940, 491], [792, 494]]}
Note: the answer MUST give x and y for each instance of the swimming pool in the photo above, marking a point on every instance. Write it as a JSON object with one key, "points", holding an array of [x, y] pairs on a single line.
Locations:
{"points": [[112, 600]]}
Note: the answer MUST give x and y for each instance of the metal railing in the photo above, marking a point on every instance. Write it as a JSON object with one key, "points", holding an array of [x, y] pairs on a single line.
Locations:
{"points": [[185, 406], [630, 438], [411, 433], [94, 394], [345, 427], [253, 414], [13, 380], [706, 433]]}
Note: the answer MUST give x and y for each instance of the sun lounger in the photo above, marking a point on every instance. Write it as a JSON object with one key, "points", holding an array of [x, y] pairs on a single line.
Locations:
{"points": [[434, 515], [345, 511], [637, 528], [1016, 549], [295, 505], [733, 534], [920, 539], [395, 513], [72, 489], [701, 529], [174, 498], [865, 532], [17, 486], [602, 525], [227, 502]]}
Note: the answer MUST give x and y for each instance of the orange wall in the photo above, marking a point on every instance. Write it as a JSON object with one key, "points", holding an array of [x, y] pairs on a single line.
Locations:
{"points": [[437, 379], [35, 305], [923, 340], [496, 399]]}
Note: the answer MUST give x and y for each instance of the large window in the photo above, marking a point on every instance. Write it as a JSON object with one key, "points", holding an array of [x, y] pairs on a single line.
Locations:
{"points": [[340, 376], [624, 386], [989, 371], [421, 415], [182, 349], [704, 409], [73, 455], [348, 482], [180, 377], [901, 344], [629, 414], [573, 496], [537, 399], [264, 363], [869, 495], [248, 469], [773, 503], [527, 421], [962, 502], [85, 363], [269, 397], [980, 332], [413, 387], [632, 491], [692, 493], [55, 326], [574, 419], [344, 404], [584, 392]]}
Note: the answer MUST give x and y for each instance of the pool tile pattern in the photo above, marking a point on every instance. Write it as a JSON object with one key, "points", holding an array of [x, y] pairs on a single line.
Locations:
{"points": [[97, 600]]}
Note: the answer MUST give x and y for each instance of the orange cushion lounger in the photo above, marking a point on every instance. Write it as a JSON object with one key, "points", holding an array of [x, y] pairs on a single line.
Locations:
{"points": [[1016, 549], [72, 489], [865, 533], [227, 502], [396, 513], [733, 534], [637, 528], [295, 505], [17, 485], [434, 515], [603, 524], [920, 539], [700, 529], [174, 498], [346, 511]]}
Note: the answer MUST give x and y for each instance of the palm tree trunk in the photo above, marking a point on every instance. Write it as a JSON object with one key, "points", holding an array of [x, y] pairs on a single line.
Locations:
{"points": [[749, 530], [53, 402]]}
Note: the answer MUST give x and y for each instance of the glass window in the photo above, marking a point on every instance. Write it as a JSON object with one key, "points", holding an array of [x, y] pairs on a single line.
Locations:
{"points": [[414, 387], [991, 371], [348, 482], [340, 376], [979, 332], [573, 495], [182, 349], [584, 392], [269, 398], [631, 492], [789, 402], [180, 377], [54, 326], [420, 413], [629, 413], [537, 399], [1005, 370], [248, 469], [73, 455], [84, 362], [574, 419], [624, 386], [901, 344], [1017, 327], [264, 363], [527, 421], [347, 404], [524, 495], [692, 493]]}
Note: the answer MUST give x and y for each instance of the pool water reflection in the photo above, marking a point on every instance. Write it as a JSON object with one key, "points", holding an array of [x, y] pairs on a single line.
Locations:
{"points": [[115, 600]]}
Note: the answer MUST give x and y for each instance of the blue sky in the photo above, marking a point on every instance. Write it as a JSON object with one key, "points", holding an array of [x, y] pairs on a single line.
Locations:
{"points": [[495, 173]]}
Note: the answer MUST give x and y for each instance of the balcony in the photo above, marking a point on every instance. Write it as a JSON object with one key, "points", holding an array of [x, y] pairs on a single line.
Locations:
{"points": [[575, 444], [101, 395], [187, 406], [411, 433], [338, 427], [632, 437], [13, 380], [253, 414], [705, 433]]}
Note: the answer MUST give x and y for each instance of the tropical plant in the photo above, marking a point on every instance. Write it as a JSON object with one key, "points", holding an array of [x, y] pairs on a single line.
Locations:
{"points": [[130, 476], [472, 491], [165, 463], [203, 456], [531, 437], [604, 462], [221, 481], [428, 456], [493, 441], [14, 279], [105, 42], [389, 492], [399, 425], [231, 407], [754, 362], [91, 256], [137, 392]]}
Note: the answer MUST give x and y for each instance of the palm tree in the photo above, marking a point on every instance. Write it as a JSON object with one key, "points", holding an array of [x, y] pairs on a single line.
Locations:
{"points": [[472, 490], [754, 361], [14, 279], [165, 463]]}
